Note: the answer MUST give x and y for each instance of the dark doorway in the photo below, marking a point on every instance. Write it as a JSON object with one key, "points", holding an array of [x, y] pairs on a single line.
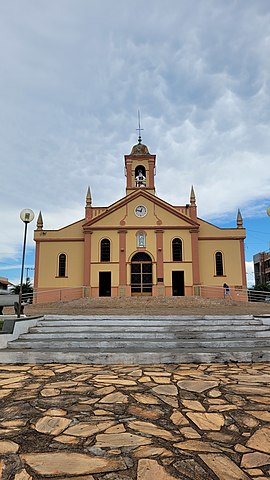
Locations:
{"points": [[178, 286], [104, 284], [141, 274]]}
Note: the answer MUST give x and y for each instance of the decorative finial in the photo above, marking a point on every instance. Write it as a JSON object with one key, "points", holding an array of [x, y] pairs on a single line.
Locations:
{"points": [[88, 198], [40, 222], [139, 129], [239, 219], [192, 196]]}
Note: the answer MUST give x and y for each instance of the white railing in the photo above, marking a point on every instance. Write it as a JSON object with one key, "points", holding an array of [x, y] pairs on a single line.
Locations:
{"points": [[204, 291]]}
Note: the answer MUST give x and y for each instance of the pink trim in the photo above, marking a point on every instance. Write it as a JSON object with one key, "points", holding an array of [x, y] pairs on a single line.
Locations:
{"points": [[159, 246], [87, 259], [36, 264], [243, 263], [195, 257], [122, 257]]}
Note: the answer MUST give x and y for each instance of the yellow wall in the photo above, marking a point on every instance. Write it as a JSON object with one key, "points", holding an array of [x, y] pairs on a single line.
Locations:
{"points": [[231, 262], [48, 265]]}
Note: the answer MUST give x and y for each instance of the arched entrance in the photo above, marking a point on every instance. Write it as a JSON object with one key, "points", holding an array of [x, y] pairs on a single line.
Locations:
{"points": [[141, 274]]}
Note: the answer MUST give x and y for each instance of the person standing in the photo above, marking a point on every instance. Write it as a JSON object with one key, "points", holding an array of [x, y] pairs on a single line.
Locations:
{"points": [[227, 292]]}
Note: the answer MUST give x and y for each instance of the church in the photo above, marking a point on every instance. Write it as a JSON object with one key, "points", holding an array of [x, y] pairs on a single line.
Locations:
{"points": [[139, 245]]}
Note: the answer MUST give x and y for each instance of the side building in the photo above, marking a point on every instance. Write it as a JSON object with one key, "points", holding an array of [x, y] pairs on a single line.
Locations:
{"points": [[139, 245], [262, 268]]}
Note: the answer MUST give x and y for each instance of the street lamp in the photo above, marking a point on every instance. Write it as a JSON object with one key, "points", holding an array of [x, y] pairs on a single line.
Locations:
{"points": [[26, 216]]}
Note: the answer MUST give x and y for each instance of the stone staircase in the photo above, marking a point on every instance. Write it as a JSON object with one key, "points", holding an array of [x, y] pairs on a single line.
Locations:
{"points": [[142, 339]]}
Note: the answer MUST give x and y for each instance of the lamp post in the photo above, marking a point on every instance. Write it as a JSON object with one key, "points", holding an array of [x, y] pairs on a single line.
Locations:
{"points": [[26, 216]]}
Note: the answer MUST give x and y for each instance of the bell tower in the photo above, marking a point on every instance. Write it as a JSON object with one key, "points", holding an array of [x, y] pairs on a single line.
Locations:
{"points": [[140, 169]]}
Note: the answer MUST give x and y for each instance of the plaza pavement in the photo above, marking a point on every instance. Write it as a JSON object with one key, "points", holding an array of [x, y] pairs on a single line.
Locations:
{"points": [[154, 422]]}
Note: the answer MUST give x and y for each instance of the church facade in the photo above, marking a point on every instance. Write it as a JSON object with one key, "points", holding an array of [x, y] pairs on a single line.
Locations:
{"points": [[139, 245]]}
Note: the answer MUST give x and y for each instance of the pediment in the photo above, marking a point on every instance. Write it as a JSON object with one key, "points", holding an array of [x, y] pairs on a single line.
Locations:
{"points": [[125, 213]]}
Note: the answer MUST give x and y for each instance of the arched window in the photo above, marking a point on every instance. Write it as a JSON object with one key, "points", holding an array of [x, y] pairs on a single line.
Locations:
{"points": [[219, 264], [141, 239], [177, 250], [62, 263], [105, 250]]}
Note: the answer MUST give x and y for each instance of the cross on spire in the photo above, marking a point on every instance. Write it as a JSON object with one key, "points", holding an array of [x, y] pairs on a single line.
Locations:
{"points": [[139, 129]]}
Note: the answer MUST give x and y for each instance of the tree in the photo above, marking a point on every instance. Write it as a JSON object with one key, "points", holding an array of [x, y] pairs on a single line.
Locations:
{"points": [[27, 288]]}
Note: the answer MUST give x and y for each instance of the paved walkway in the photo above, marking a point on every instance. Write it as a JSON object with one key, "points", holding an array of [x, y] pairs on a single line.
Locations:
{"points": [[154, 422]]}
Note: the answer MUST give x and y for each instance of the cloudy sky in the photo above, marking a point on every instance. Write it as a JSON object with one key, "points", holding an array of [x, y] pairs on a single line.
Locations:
{"points": [[74, 74]]}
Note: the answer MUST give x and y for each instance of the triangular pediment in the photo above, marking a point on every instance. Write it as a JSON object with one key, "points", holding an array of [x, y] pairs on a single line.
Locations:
{"points": [[125, 212]]}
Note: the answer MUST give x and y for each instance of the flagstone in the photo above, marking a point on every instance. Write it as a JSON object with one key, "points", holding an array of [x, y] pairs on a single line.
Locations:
{"points": [[67, 439], [190, 470], [241, 448], [223, 467], [156, 373], [68, 463], [13, 423], [165, 390], [196, 446], [214, 393], [7, 446], [144, 379], [248, 389], [222, 408], [116, 429], [244, 419], [50, 392], [145, 399], [56, 412], [4, 393], [265, 416], [51, 425], [151, 429], [255, 459], [265, 400], [10, 380], [67, 384], [172, 401], [189, 432], [105, 390], [193, 405], [125, 439], [253, 471], [149, 413], [178, 418], [163, 380], [136, 373], [113, 380], [101, 412], [207, 421], [220, 437], [260, 440], [149, 469], [115, 397], [197, 386], [86, 429], [22, 475], [42, 373], [151, 451]]}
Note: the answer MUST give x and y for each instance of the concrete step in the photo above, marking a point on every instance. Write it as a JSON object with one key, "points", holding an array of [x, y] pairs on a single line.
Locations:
{"points": [[146, 328], [132, 357], [40, 334], [66, 344], [138, 339]]}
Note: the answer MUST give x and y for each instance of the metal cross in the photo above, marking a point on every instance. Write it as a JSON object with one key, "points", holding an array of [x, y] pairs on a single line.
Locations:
{"points": [[139, 129]]}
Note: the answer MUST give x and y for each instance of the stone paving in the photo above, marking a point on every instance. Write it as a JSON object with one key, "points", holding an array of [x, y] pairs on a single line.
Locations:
{"points": [[161, 422]]}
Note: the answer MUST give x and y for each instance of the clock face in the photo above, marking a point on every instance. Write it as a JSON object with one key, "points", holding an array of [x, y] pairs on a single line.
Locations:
{"points": [[140, 211]]}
